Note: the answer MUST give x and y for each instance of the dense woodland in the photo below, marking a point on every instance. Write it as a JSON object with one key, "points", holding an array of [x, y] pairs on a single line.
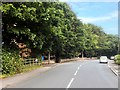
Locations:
{"points": [[52, 28]]}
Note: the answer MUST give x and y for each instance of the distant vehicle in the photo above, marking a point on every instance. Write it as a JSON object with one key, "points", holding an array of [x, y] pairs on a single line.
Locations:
{"points": [[112, 58], [103, 59]]}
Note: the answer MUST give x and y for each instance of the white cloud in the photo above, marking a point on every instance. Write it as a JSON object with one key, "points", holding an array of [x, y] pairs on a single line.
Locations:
{"points": [[99, 19]]}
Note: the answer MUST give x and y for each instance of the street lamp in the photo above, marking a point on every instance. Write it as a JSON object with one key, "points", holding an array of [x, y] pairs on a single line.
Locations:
{"points": [[119, 28]]}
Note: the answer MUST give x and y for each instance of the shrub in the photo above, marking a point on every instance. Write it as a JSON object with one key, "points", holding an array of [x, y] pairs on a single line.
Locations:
{"points": [[10, 63], [117, 59]]}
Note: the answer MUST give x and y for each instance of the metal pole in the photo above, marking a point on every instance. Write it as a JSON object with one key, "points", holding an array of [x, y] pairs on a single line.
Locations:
{"points": [[118, 27]]}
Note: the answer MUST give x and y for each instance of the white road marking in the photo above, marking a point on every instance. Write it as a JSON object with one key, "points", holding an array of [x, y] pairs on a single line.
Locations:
{"points": [[73, 78], [70, 82], [76, 72]]}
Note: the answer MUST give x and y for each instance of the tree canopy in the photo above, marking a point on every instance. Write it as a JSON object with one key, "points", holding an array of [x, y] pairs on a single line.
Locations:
{"points": [[53, 27]]}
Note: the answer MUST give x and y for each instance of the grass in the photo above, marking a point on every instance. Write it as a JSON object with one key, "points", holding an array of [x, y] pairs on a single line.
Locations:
{"points": [[25, 69], [30, 67]]}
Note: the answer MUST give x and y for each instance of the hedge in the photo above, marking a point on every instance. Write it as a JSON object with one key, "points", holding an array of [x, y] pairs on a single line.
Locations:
{"points": [[117, 59], [11, 63]]}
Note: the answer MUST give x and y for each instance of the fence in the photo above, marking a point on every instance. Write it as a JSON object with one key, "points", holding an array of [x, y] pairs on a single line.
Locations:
{"points": [[32, 61]]}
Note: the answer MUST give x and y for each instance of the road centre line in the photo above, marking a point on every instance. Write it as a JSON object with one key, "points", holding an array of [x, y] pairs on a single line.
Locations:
{"points": [[73, 78], [76, 72], [70, 82]]}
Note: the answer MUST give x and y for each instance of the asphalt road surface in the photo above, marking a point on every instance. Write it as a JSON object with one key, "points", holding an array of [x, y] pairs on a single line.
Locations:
{"points": [[80, 74]]}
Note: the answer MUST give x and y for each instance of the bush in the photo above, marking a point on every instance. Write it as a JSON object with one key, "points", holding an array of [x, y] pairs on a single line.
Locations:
{"points": [[11, 64], [117, 59]]}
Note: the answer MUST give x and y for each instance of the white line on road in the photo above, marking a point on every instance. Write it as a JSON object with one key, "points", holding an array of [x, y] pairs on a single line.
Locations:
{"points": [[76, 72], [70, 82], [114, 71], [73, 78]]}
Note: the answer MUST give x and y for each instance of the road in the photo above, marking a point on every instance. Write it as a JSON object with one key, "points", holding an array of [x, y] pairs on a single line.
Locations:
{"points": [[80, 74]]}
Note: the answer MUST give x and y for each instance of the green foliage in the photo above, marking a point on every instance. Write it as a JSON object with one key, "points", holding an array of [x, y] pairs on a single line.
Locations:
{"points": [[53, 27], [117, 59], [11, 63]]}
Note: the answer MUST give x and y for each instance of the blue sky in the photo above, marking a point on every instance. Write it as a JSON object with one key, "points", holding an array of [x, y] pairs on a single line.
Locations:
{"points": [[104, 14]]}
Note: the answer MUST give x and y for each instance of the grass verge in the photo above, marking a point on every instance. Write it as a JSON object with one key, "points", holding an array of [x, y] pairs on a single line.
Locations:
{"points": [[25, 69]]}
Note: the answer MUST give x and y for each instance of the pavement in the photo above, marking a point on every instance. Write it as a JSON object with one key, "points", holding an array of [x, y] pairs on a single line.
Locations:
{"points": [[114, 67]]}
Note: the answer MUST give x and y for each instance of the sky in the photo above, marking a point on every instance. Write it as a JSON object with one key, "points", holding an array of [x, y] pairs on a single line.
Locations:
{"points": [[103, 14]]}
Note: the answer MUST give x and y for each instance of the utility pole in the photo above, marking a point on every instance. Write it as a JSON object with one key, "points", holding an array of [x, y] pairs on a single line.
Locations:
{"points": [[118, 42], [119, 28]]}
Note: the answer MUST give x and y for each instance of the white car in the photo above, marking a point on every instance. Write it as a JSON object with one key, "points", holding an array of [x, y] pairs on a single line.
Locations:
{"points": [[112, 58], [103, 59]]}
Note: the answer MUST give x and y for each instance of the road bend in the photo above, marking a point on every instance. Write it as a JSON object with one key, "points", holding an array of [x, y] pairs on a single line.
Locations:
{"points": [[79, 74]]}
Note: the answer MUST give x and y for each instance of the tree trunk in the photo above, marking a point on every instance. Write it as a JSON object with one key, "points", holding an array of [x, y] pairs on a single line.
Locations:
{"points": [[57, 60], [82, 55], [49, 57], [57, 57]]}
